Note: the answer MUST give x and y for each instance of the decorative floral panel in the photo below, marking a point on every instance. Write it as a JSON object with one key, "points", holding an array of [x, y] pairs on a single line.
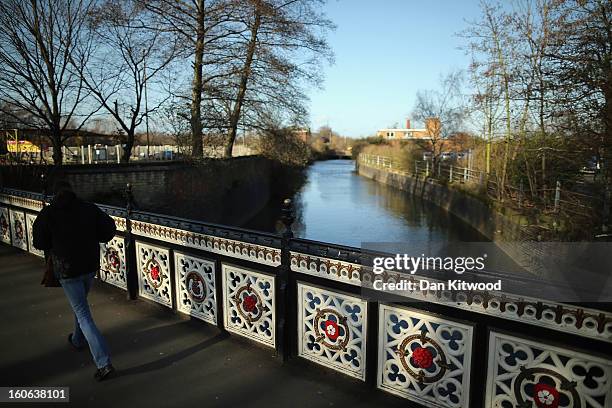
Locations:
{"points": [[332, 329], [5, 225], [249, 304], [22, 202], [18, 230], [119, 223], [524, 373], [195, 287], [328, 268], [112, 262], [424, 358], [30, 218], [229, 247], [567, 318], [154, 273]]}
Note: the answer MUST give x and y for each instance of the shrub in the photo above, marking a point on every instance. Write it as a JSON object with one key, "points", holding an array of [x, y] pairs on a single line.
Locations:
{"points": [[281, 144]]}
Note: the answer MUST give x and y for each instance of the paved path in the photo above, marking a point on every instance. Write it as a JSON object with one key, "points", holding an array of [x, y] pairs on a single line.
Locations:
{"points": [[162, 361]]}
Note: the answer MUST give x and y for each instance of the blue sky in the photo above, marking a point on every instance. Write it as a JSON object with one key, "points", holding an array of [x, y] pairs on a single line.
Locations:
{"points": [[385, 51]]}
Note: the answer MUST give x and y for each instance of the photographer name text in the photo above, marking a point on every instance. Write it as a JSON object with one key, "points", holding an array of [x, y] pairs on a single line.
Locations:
{"points": [[423, 284]]}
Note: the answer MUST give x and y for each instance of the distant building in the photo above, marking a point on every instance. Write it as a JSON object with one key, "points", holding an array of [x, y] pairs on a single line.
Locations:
{"points": [[408, 133], [302, 133]]}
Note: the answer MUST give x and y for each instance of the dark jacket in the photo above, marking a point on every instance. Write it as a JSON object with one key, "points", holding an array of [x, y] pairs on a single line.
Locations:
{"points": [[71, 230]]}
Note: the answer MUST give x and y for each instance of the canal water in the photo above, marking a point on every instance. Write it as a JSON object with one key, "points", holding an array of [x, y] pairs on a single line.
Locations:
{"points": [[336, 205]]}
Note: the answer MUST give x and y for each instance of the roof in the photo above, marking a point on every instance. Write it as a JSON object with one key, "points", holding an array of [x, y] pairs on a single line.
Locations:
{"points": [[403, 130]]}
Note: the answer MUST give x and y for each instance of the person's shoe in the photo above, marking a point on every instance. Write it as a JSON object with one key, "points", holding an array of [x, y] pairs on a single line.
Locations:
{"points": [[79, 348], [104, 372]]}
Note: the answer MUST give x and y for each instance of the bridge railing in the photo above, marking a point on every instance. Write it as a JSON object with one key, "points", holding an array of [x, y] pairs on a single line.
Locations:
{"points": [[315, 301]]}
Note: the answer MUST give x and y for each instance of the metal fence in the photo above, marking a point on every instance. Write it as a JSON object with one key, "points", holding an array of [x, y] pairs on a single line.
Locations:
{"points": [[554, 200], [315, 301], [102, 154]]}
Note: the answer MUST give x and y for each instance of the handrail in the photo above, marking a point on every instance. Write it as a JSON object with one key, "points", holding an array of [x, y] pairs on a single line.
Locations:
{"points": [[307, 246]]}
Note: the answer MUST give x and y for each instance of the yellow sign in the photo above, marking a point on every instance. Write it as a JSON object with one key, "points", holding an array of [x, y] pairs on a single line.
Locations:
{"points": [[21, 146]]}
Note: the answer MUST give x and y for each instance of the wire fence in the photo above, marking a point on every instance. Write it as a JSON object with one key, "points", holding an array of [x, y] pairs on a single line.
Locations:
{"points": [[575, 207]]}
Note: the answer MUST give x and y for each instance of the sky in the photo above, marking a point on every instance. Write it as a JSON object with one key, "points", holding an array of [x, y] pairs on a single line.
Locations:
{"points": [[385, 51]]}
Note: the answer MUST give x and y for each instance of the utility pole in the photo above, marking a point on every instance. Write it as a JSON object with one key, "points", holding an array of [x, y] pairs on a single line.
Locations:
{"points": [[144, 76]]}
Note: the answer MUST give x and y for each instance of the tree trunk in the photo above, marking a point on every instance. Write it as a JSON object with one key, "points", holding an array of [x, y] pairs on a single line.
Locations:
{"points": [[56, 141], [129, 145], [502, 185], [607, 136], [196, 89], [244, 78]]}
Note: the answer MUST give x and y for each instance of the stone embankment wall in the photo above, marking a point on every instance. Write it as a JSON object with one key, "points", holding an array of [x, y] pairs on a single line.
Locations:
{"points": [[504, 230], [221, 191]]}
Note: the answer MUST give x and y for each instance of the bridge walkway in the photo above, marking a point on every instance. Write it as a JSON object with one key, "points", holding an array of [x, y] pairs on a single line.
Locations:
{"points": [[162, 360]]}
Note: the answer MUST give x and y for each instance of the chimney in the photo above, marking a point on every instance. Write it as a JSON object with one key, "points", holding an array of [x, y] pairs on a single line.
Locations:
{"points": [[407, 123]]}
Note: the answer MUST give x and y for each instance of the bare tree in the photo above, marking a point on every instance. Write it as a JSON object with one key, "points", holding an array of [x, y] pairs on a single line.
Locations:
{"points": [[492, 46], [581, 55], [485, 105], [176, 116], [531, 22], [204, 29], [443, 111], [125, 59], [283, 46], [37, 40]]}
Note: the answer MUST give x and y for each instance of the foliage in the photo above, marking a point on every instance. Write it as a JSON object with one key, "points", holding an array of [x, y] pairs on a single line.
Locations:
{"points": [[443, 112], [281, 144], [360, 144], [403, 155]]}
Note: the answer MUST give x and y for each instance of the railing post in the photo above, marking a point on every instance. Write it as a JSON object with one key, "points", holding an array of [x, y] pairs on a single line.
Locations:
{"points": [[283, 311], [465, 175], [43, 186], [131, 269], [426, 168], [606, 210], [450, 174], [557, 195]]}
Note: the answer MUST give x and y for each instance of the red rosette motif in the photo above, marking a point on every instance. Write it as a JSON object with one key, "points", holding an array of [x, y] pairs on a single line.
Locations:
{"points": [[331, 329], [422, 357], [249, 303], [3, 224], [19, 230], [195, 288], [154, 272], [545, 396]]}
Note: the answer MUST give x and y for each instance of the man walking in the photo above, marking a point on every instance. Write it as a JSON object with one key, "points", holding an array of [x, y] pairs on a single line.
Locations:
{"points": [[70, 230]]}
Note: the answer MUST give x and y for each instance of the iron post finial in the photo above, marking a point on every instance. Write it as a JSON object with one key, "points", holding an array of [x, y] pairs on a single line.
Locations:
{"points": [[287, 216], [43, 184]]}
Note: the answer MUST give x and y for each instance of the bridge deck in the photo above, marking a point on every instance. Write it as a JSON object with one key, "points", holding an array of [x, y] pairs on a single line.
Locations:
{"points": [[159, 357]]}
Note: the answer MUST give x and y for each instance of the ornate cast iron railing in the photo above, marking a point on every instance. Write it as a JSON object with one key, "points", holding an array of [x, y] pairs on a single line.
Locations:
{"points": [[314, 300]]}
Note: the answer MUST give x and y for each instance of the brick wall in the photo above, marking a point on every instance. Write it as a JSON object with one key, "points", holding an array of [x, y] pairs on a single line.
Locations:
{"points": [[221, 191]]}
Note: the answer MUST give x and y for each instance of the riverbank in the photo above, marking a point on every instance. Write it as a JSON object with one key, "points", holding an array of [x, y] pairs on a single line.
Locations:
{"points": [[504, 230]]}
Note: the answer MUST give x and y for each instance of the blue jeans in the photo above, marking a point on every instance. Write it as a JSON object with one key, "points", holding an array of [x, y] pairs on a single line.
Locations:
{"points": [[85, 329]]}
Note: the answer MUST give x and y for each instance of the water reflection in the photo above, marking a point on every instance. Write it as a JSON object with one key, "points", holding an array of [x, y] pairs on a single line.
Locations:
{"points": [[336, 205]]}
